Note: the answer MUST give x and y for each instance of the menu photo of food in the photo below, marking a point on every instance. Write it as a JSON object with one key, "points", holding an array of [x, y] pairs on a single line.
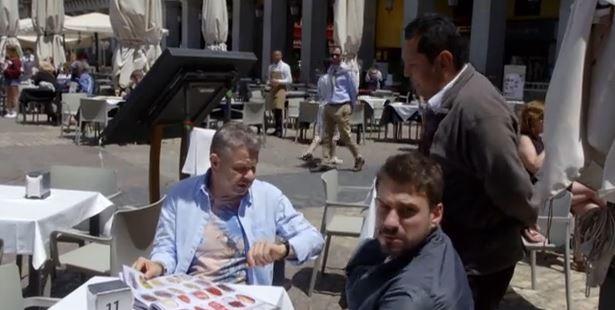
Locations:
{"points": [[186, 292]]}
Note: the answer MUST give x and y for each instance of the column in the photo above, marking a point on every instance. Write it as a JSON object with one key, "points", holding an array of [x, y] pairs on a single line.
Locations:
{"points": [[313, 38], [274, 31], [194, 37], [243, 25], [565, 6], [368, 41], [488, 38], [414, 9]]}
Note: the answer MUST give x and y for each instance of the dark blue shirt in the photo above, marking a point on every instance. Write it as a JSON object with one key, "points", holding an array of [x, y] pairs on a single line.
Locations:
{"points": [[430, 277]]}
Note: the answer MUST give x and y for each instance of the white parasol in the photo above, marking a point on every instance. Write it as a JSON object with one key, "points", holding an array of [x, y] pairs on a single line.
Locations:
{"points": [[348, 31], [215, 24]]}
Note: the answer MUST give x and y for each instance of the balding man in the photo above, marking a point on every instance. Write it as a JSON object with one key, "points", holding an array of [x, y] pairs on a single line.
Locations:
{"points": [[279, 76]]}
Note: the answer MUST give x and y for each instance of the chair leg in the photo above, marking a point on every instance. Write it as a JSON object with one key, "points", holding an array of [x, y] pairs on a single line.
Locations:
{"points": [[533, 268], [314, 275], [324, 260], [567, 275]]}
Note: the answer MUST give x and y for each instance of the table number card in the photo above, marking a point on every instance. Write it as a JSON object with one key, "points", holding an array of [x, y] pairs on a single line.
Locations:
{"points": [[112, 295]]}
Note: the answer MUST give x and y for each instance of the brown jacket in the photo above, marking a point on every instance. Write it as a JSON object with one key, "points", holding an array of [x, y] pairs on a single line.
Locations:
{"points": [[486, 189]]}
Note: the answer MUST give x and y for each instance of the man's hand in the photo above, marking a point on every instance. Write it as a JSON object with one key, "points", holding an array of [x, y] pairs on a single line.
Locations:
{"points": [[533, 235], [264, 253], [149, 268]]}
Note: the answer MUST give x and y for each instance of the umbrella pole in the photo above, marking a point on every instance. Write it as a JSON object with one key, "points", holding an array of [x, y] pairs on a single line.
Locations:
{"points": [[97, 52]]}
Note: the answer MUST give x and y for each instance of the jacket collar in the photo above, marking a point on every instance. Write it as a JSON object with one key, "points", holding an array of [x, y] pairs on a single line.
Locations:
{"points": [[449, 97]]}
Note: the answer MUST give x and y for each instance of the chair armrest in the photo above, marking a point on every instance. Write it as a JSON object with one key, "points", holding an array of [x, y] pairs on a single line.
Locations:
{"points": [[114, 195], [339, 204], [46, 302], [73, 233], [354, 188]]}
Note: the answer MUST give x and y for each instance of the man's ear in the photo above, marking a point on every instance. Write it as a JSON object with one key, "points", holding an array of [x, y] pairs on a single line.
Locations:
{"points": [[435, 215], [214, 161], [446, 61]]}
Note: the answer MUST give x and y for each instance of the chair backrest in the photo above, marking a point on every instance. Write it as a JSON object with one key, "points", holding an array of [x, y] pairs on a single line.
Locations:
{"points": [[71, 102], [10, 287], [554, 219], [93, 110], [253, 113], [331, 184], [293, 107], [132, 232], [358, 114], [256, 94], [101, 180], [308, 111]]}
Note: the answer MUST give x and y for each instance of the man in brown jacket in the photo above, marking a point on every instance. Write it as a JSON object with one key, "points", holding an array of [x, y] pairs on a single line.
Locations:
{"points": [[473, 135]]}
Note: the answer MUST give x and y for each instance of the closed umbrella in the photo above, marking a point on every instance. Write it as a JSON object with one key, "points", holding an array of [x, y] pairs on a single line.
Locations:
{"points": [[9, 25], [348, 31], [138, 26], [48, 22], [215, 24], [579, 131]]}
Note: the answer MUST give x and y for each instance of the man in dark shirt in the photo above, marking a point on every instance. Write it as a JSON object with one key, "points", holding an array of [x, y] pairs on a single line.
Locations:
{"points": [[412, 263]]}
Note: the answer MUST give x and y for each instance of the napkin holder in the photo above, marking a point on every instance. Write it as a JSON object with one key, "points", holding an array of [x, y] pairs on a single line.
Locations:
{"points": [[115, 295], [38, 185]]}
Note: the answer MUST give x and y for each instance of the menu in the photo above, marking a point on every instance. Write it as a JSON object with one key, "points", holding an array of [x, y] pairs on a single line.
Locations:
{"points": [[182, 291]]}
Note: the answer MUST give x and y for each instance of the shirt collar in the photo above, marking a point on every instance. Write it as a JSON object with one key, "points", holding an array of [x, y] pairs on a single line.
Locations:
{"points": [[436, 101]]}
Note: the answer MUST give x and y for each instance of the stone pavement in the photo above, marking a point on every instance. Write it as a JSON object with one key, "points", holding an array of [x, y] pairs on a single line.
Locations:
{"points": [[30, 147]]}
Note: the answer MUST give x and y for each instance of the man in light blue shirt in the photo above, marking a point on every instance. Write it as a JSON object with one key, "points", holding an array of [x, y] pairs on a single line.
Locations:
{"points": [[224, 224], [337, 112], [83, 78]]}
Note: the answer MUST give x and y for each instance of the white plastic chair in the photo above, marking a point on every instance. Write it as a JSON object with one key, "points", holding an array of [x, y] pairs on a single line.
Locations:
{"points": [[308, 113], [292, 114], [10, 291], [131, 235], [358, 119], [70, 107], [555, 223], [94, 179], [254, 114], [336, 224], [92, 111]]}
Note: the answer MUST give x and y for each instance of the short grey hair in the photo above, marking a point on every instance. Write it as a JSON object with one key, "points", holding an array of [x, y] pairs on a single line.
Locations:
{"points": [[233, 135]]}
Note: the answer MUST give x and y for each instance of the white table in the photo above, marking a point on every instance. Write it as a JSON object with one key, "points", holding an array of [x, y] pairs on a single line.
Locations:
{"points": [[375, 103], [25, 224], [272, 294]]}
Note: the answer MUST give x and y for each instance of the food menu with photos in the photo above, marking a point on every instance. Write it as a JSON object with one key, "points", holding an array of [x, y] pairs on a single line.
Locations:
{"points": [[186, 292]]}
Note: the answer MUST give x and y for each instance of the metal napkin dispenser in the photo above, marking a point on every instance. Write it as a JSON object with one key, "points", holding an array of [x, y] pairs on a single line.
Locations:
{"points": [[38, 185]]}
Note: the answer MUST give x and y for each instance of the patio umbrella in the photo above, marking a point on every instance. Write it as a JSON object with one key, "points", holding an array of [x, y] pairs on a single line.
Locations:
{"points": [[9, 25], [215, 24], [579, 129], [348, 30], [138, 26], [48, 22]]}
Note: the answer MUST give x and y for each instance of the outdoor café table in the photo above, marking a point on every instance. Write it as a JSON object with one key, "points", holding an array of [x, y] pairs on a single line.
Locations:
{"points": [[397, 113], [275, 295], [25, 224]]}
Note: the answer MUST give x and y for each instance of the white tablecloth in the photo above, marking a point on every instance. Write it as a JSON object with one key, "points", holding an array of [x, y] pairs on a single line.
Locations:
{"points": [[374, 102], [25, 224], [197, 159], [272, 294], [111, 101], [404, 111]]}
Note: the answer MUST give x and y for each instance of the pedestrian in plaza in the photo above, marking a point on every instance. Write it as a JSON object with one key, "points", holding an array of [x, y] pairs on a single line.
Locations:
{"points": [[28, 62], [279, 77], [11, 69], [337, 112], [83, 78], [373, 78], [230, 222], [474, 137], [411, 264]]}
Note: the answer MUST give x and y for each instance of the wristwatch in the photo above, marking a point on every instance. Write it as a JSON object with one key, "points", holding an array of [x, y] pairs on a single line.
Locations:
{"points": [[287, 247]]}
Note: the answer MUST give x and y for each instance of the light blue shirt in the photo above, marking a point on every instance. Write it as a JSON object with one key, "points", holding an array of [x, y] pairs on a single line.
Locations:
{"points": [[264, 213], [343, 86], [86, 84]]}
